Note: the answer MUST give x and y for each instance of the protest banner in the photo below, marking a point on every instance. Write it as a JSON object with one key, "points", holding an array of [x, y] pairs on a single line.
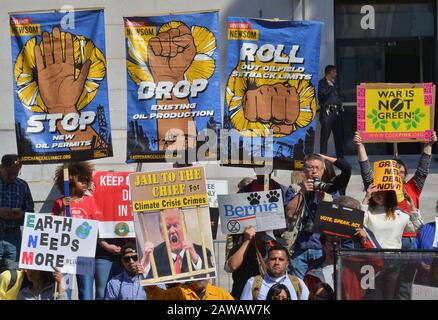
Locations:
{"points": [[173, 95], [270, 100], [65, 243], [387, 177], [111, 194], [337, 220], [60, 87], [214, 188], [395, 112], [263, 210], [172, 224]]}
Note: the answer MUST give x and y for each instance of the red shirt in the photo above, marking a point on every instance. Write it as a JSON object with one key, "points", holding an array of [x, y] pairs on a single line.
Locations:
{"points": [[414, 193], [84, 209]]}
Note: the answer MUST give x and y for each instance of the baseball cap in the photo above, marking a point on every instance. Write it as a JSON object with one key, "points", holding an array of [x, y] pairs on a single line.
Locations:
{"points": [[128, 248], [9, 159]]}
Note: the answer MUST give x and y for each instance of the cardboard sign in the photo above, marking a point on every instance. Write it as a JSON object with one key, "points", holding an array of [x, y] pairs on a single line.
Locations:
{"points": [[111, 195], [263, 210], [396, 112], [387, 177], [172, 224], [65, 243], [336, 220], [166, 189], [215, 187]]}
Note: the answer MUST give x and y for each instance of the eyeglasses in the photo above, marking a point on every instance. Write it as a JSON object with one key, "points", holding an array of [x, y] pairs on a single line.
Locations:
{"points": [[128, 258]]}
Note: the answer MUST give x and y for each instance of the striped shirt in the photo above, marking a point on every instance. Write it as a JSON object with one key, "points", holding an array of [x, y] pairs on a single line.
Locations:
{"points": [[124, 287], [14, 195]]}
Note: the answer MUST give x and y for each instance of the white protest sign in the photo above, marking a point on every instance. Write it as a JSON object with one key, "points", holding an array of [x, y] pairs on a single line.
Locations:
{"points": [[66, 243], [435, 240], [263, 210], [215, 187], [424, 292]]}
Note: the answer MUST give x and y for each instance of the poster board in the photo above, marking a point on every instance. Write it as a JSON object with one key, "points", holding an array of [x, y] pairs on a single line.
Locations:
{"points": [[263, 210], [337, 220], [66, 243], [387, 177], [171, 207], [395, 112], [111, 195]]}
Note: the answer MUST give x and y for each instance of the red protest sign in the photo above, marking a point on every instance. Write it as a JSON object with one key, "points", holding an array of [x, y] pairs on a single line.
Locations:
{"points": [[111, 193]]}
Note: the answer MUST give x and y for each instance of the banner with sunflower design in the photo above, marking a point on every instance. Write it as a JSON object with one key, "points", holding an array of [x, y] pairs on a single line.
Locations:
{"points": [[60, 87], [271, 90], [172, 66]]}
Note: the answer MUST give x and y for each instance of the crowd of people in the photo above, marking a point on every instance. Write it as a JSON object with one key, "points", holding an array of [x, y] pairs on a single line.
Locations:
{"points": [[294, 263]]}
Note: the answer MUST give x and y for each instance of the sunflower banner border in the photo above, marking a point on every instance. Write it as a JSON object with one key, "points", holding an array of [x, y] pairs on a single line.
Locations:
{"points": [[172, 65], [61, 103], [271, 91]]}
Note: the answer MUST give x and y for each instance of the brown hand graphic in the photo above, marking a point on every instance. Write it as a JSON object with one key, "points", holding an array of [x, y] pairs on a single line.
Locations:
{"points": [[276, 103], [170, 53], [59, 89]]}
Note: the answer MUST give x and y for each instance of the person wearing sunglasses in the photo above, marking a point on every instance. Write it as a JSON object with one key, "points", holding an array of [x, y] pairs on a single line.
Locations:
{"points": [[126, 285]]}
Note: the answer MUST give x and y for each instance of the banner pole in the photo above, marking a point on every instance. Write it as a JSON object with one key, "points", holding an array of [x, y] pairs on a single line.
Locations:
{"points": [[66, 189], [395, 150], [139, 166], [335, 261], [184, 230], [266, 182], [166, 238], [147, 239], [200, 223]]}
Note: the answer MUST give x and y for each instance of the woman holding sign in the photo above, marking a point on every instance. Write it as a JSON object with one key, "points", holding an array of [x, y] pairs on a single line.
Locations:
{"points": [[387, 222], [43, 285], [81, 205]]}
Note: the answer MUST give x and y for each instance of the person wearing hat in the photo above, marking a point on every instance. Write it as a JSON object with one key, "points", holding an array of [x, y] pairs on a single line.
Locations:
{"points": [[15, 201], [126, 285]]}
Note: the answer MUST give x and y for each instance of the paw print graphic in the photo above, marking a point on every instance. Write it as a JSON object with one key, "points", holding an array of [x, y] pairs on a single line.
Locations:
{"points": [[254, 198], [273, 196]]}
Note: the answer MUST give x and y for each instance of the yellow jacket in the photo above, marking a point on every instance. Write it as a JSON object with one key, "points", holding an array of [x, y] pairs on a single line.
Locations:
{"points": [[184, 292], [5, 278]]}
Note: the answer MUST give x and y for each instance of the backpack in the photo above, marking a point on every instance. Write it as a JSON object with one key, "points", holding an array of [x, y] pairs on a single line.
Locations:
{"points": [[258, 280]]}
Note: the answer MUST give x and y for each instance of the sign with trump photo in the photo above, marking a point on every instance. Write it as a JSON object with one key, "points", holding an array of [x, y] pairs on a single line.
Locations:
{"points": [[271, 90], [172, 224]]}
